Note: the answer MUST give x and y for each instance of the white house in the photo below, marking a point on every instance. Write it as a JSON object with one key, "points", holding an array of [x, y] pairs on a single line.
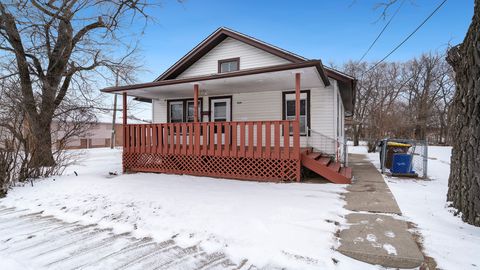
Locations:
{"points": [[246, 93]]}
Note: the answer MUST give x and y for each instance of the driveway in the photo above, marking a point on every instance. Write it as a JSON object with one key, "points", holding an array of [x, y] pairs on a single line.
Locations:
{"points": [[38, 242]]}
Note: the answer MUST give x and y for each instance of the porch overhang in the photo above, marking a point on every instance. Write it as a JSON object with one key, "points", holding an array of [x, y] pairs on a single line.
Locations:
{"points": [[278, 77]]}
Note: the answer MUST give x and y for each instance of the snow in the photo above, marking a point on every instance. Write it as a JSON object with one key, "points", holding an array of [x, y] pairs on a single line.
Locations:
{"points": [[289, 225], [371, 238], [8, 263], [451, 242], [390, 234], [391, 250]]}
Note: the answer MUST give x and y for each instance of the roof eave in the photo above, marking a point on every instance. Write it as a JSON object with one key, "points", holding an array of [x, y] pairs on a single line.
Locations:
{"points": [[311, 63]]}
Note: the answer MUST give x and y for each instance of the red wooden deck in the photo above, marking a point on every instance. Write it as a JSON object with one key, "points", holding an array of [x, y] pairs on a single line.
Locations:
{"points": [[252, 150]]}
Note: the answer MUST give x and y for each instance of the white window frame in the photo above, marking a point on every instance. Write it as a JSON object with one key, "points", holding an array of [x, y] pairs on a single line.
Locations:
{"points": [[228, 108], [290, 97]]}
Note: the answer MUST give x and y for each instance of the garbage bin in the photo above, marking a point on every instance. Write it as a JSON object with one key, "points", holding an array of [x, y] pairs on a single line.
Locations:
{"points": [[395, 148], [401, 164]]}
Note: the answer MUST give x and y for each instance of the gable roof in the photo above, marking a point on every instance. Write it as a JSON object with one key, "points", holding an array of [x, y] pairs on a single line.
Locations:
{"points": [[346, 83], [216, 38]]}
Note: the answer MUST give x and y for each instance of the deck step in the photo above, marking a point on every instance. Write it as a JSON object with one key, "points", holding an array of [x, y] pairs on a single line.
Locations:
{"points": [[322, 165], [346, 171], [324, 160], [334, 166], [314, 155]]}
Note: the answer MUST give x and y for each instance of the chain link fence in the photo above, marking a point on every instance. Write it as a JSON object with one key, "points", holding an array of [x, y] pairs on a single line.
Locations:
{"points": [[404, 157]]}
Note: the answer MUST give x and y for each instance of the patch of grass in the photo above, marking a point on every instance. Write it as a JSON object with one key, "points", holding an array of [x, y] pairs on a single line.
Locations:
{"points": [[429, 263]]}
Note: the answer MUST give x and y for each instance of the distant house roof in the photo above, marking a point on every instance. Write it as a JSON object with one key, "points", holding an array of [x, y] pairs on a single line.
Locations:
{"points": [[106, 117]]}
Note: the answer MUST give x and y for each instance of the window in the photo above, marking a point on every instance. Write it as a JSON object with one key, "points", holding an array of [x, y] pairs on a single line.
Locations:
{"points": [[176, 112], [289, 109], [191, 111], [228, 65], [183, 110]]}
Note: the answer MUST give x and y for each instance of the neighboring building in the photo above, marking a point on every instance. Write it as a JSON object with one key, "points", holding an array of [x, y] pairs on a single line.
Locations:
{"points": [[248, 127], [98, 135]]}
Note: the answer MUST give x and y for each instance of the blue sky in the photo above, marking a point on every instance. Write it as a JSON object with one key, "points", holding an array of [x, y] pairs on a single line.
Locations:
{"points": [[334, 31]]}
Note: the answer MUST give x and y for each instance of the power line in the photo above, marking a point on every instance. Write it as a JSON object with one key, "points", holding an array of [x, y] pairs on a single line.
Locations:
{"points": [[407, 38], [381, 32]]}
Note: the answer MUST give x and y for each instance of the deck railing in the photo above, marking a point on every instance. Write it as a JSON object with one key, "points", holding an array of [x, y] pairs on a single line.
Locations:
{"points": [[250, 139]]}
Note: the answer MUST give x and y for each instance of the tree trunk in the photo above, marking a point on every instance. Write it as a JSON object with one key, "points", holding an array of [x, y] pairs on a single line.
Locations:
{"points": [[464, 181], [356, 134], [41, 146], [421, 126]]}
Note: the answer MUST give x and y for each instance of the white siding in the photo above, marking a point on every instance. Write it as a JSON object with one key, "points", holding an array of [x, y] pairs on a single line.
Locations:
{"points": [[250, 57], [159, 110], [268, 106], [257, 106]]}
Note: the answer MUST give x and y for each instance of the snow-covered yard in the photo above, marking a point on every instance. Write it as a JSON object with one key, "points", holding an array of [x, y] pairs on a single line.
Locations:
{"points": [[451, 242], [289, 225]]}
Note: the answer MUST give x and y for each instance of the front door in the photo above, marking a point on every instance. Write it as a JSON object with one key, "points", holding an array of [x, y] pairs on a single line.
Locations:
{"points": [[220, 110]]}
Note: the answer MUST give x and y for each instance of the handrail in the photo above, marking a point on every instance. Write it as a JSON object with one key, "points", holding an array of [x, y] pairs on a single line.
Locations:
{"points": [[318, 132], [340, 155], [251, 139], [227, 122]]}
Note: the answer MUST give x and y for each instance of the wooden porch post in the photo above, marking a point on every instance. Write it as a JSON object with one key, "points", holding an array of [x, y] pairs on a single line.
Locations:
{"points": [[196, 125], [296, 126], [297, 97], [124, 108], [126, 135], [195, 102]]}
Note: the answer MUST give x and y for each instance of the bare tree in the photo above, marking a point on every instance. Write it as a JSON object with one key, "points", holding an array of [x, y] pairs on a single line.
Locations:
{"points": [[464, 181], [446, 84], [71, 120], [363, 97], [53, 43], [404, 100], [425, 89], [378, 91]]}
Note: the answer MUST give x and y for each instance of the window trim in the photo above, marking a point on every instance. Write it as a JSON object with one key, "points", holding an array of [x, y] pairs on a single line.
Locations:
{"points": [[184, 104], [221, 61], [284, 116]]}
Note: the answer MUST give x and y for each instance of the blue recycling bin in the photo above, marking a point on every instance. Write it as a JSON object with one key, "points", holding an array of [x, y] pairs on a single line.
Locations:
{"points": [[402, 164]]}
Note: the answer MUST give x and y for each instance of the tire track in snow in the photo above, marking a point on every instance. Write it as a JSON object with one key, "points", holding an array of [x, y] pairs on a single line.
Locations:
{"points": [[47, 242]]}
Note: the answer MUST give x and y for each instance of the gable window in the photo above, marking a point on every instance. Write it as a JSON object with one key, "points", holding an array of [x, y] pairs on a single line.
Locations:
{"points": [[228, 65], [183, 110], [289, 109]]}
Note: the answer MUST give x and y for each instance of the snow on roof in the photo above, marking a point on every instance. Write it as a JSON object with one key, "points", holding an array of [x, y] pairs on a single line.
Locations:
{"points": [[106, 116]]}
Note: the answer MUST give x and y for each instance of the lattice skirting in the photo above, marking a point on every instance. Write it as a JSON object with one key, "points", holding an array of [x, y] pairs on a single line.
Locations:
{"points": [[258, 169]]}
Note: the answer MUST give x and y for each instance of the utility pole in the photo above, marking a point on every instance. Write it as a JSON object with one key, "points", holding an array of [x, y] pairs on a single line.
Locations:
{"points": [[112, 138]]}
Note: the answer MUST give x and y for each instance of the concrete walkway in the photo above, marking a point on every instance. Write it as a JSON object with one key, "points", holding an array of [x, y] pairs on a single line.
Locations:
{"points": [[374, 234]]}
